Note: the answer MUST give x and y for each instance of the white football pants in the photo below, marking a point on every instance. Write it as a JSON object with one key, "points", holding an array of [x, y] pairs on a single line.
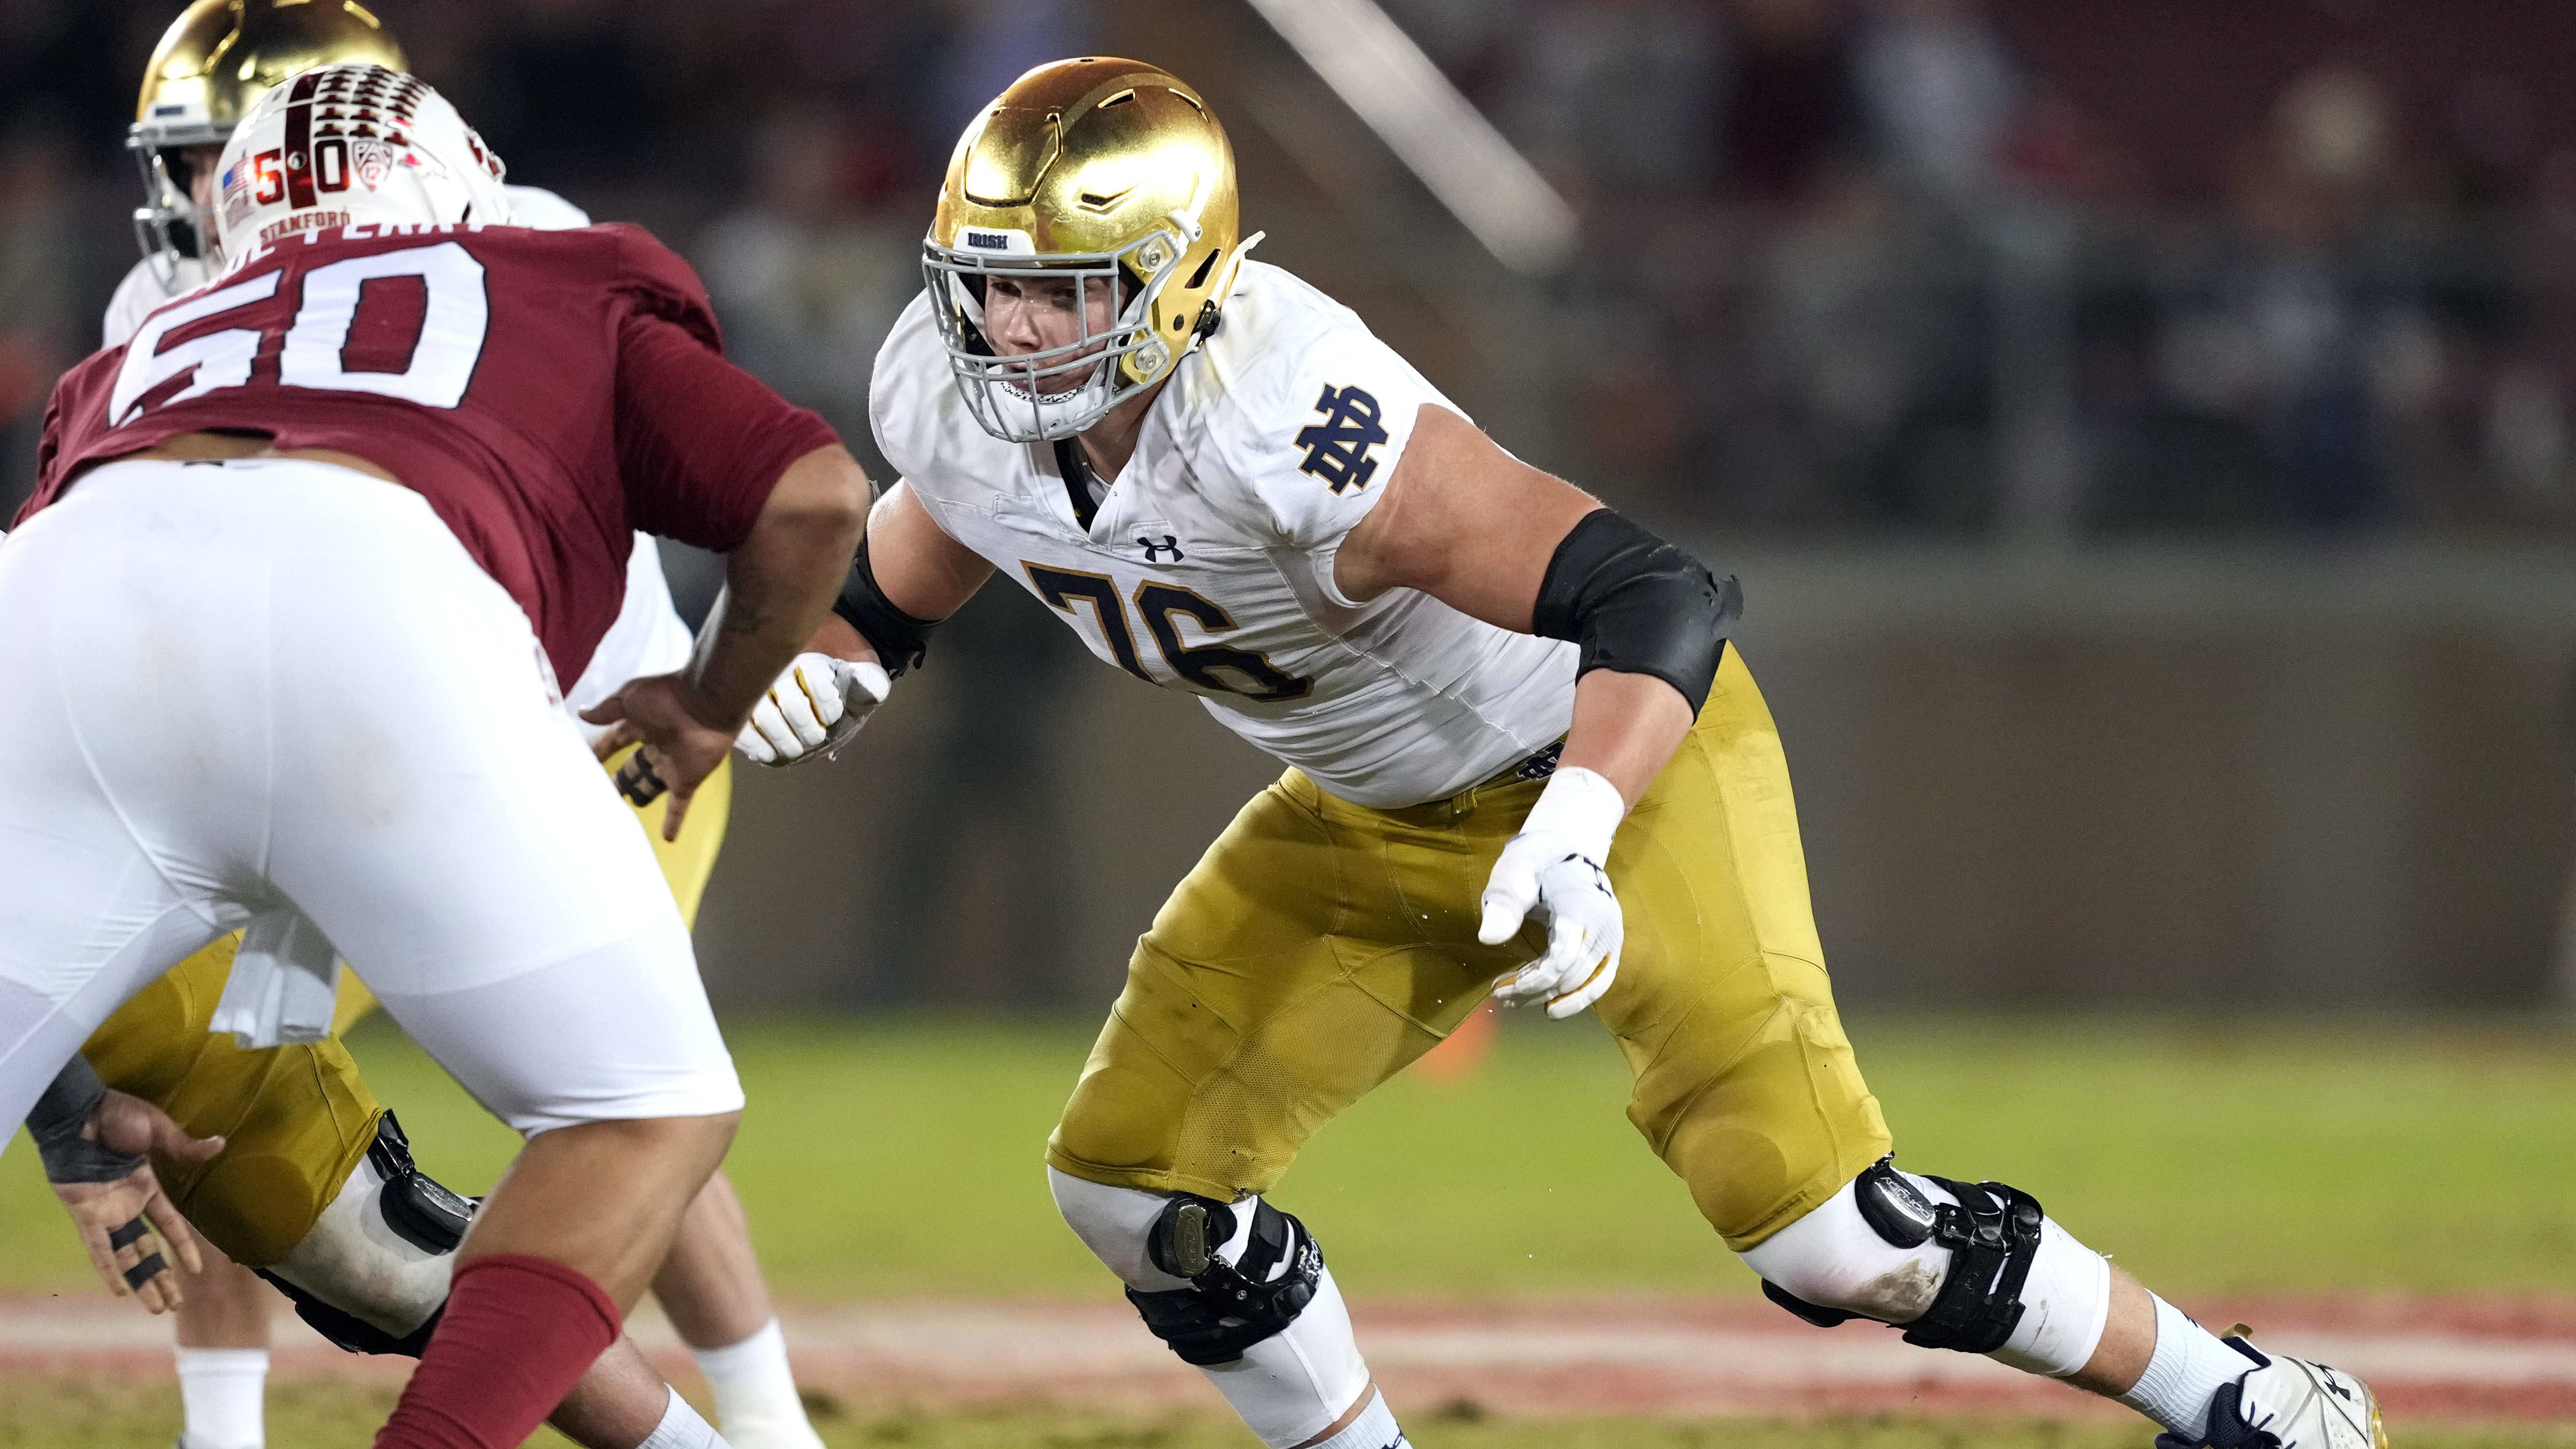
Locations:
{"points": [[231, 687]]}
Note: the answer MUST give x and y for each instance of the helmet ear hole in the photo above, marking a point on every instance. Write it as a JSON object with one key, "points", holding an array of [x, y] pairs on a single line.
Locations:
{"points": [[1207, 264]]}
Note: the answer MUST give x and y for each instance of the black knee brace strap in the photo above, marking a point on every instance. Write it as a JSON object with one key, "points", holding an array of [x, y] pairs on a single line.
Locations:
{"points": [[1992, 1232], [421, 1212], [352, 1334], [1228, 1307]]}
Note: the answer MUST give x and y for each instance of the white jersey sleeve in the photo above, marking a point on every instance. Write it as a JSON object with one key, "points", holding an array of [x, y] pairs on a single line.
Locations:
{"points": [[914, 415], [141, 294], [542, 210], [1309, 426]]}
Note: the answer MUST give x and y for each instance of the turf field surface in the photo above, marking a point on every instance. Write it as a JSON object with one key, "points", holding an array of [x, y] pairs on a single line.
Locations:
{"points": [[58, 1414], [1681, 1358], [893, 1167]]}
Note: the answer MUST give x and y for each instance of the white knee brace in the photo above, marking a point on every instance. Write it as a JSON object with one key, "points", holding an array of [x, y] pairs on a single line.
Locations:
{"points": [[1835, 1259], [376, 1263], [1288, 1386]]}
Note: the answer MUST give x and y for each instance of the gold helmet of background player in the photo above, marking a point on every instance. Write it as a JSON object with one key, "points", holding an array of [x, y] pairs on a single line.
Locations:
{"points": [[213, 61], [1108, 172]]}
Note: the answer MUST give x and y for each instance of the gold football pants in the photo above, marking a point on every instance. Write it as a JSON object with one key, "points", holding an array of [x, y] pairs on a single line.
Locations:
{"points": [[1320, 946], [297, 1118]]}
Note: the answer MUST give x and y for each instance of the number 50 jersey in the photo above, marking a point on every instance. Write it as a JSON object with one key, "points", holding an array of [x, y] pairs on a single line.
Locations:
{"points": [[548, 392], [1208, 564]]}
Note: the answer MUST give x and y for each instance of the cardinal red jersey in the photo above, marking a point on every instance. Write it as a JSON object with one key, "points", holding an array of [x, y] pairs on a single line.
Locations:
{"points": [[549, 392]]}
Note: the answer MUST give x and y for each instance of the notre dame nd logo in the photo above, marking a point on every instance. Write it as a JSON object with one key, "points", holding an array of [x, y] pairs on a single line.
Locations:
{"points": [[1337, 449]]}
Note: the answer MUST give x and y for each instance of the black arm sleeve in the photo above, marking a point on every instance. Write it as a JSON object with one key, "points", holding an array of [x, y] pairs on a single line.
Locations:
{"points": [[899, 639], [56, 1121], [1637, 605]]}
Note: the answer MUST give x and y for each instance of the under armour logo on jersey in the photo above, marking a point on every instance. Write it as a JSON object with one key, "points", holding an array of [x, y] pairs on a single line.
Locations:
{"points": [[1337, 449], [1154, 551]]}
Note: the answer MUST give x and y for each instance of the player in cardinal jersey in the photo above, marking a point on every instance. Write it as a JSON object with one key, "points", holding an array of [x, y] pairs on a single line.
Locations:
{"points": [[303, 563], [301, 1122], [1522, 758]]}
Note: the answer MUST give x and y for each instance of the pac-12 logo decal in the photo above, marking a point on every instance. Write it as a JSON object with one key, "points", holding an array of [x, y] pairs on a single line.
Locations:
{"points": [[1337, 449]]}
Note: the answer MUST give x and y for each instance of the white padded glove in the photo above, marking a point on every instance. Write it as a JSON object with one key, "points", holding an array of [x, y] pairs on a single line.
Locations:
{"points": [[1554, 869], [813, 710]]}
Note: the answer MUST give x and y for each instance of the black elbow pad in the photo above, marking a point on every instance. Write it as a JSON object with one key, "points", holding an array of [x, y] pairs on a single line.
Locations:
{"points": [[899, 639], [1637, 605]]}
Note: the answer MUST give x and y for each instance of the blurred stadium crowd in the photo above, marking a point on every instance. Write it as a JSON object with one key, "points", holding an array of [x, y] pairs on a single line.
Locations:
{"points": [[1955, 264], [1848, 265]]}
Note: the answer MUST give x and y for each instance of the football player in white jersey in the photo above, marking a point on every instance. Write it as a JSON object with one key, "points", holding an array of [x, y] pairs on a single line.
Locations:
{"points": [[212, 62], [1523, 758]]}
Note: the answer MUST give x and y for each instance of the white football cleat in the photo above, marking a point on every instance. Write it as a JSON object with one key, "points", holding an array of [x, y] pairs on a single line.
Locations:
{"points": [[2288, 1403]]}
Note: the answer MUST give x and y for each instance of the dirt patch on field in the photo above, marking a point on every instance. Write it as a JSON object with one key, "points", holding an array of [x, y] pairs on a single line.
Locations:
{"points": [[2500, 1358]]}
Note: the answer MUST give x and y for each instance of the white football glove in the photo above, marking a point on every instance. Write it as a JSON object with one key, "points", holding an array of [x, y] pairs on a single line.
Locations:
{"points": [[1554, 870], [813, 710]]}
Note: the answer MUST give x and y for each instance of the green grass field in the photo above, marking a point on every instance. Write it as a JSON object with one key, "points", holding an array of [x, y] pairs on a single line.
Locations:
{"points": [[903, 1158], [887, 1159]]}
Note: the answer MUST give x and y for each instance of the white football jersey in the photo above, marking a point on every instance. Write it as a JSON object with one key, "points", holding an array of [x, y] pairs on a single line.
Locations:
{"points": [[1209, 565], [649, 636]]}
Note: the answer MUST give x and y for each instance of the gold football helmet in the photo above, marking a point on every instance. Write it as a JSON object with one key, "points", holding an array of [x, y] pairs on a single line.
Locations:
{"points": [[1108, 172], [213, 61]]}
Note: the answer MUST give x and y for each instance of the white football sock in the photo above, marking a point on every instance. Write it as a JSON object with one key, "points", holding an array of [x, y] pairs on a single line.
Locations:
{"points": [[220, 1393], [681, 1428], [2189, 1367], [756, 1398]]}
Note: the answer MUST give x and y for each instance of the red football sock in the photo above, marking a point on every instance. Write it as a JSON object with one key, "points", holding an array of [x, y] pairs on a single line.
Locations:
{"points": [[519, 1332]]}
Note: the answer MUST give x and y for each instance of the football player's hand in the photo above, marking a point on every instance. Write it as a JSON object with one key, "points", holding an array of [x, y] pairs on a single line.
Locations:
{"points": [[119, 1220], [813, 710], [680, 749], [1553, 872]]}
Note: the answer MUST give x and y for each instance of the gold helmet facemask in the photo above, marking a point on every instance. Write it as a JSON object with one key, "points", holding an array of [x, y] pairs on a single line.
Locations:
{"points": [[1110, 175], [215, 60]]}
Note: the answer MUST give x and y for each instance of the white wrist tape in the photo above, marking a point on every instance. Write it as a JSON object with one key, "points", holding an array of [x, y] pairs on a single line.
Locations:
{"points": [[1582, 807]]}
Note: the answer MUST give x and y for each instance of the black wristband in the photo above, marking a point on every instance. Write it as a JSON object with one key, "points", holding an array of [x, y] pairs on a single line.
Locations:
{"points": [[56, 1122], [1637, 605], [899, 639]]}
